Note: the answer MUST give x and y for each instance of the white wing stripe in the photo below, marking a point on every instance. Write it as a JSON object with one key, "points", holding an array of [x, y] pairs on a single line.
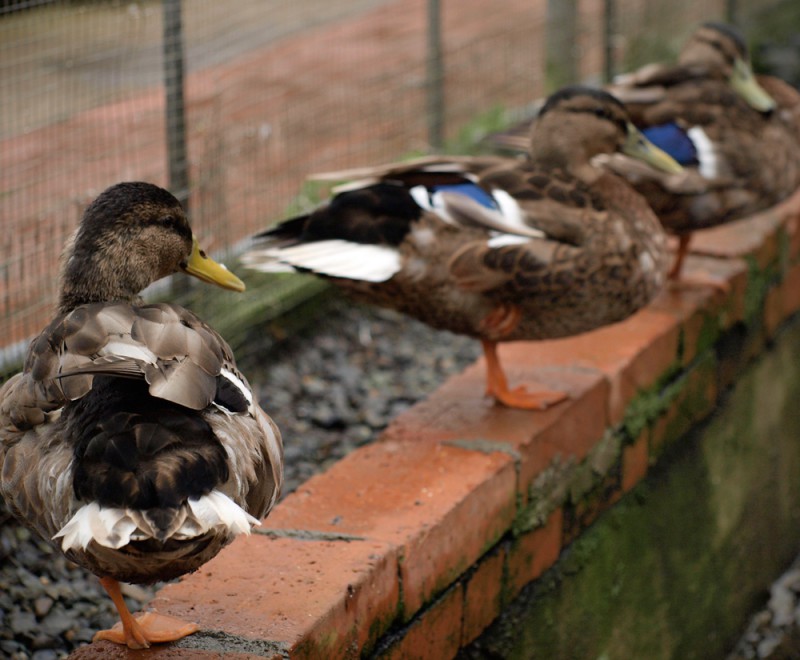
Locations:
{"points": [[706, 153], [338, 258]]}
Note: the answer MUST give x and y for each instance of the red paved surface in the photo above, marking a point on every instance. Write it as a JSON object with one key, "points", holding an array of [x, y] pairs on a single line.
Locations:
{"points": [[344, 94]]}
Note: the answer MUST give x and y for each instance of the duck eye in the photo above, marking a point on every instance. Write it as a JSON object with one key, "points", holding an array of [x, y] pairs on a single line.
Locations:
{"points": [[601, 112]]}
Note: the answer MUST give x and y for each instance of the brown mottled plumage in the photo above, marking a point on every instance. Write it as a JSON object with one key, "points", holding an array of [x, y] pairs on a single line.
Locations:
{"points": [[130, 439], [557, 247], [746, 130]]}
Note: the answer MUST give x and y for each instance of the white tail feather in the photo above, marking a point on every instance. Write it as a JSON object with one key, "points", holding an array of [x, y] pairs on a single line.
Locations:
{"points": [[338, 258], [114, 528]]}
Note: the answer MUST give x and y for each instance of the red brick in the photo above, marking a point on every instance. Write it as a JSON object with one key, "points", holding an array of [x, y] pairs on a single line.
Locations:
{"points": [[635, 459], [631, 355], [319, 598], [533, 553], [483, 595], [435, 635], [755, 235], [793, 234], [790, 288], [458, 411], [696, 302], [442, 506]]}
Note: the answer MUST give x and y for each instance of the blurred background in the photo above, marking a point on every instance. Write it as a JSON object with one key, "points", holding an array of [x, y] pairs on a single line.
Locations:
{"points": [[232, 105]]}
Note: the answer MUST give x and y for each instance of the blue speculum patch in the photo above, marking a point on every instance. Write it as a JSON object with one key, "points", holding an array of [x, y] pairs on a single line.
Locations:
{"points": [[470, 190], [674, 140]]}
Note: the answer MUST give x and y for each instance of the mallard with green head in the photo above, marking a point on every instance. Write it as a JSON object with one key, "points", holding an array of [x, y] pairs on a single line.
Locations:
{"points": [[498, 249], [130, 440]]}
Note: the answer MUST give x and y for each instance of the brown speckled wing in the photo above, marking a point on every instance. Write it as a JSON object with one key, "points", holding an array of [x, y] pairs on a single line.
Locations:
{"points": [[178, 354], [559, 205], [174, 356]]}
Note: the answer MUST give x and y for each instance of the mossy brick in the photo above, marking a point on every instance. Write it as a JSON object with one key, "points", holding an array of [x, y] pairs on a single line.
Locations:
{"points": [[790, 290], [635, 461], [434, 633], [792, 228], [314, 598], [483, 593], [441, 506], [693, 396], [532, 553], [646, 580], [582, 512]]}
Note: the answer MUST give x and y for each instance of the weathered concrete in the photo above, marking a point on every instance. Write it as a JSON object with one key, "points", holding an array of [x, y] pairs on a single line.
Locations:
{"points": [[675, 569]]}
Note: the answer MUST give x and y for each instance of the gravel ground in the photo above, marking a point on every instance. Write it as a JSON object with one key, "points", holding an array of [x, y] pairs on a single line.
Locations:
{"points": [[329, 390], [774, 632]]}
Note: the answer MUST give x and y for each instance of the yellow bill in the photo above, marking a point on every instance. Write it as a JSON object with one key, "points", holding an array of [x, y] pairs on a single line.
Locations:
{"points": [[638, 146], [203, 267], [745, 85]]}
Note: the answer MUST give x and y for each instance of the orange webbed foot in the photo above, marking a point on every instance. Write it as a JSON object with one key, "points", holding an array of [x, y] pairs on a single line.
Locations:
{"points": [[142, 631], [518, 397], [521, 398], [146, 629]]}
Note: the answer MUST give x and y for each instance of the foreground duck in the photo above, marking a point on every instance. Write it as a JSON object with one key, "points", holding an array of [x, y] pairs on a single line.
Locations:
{"points": [[498, 249], [737, 136], [130, 440]]}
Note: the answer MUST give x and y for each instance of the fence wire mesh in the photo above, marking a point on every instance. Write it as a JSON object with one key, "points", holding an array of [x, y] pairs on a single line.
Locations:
{"points": [[273, 90]]}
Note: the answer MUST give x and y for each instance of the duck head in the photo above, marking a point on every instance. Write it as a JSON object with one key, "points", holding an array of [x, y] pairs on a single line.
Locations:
{"points": [[577, 124], [719, 50], [133, 234]]}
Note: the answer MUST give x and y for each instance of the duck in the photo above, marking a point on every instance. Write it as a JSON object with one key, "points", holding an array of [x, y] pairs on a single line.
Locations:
{"points": [[130, 441], [500, 249], [736, 135]]}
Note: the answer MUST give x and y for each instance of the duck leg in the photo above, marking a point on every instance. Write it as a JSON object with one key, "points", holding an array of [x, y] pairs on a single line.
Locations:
{"points": [[519, 397], [148, 628], [674, 274], [683, 249]]}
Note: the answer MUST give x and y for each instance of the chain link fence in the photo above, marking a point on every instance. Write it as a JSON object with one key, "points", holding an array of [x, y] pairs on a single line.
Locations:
{"points": [[232, 105]]}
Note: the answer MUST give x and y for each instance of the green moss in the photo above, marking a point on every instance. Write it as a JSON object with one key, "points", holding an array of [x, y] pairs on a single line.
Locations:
{"points": [[710, 332], [694, 397], [674, 569], [548, 492], [759, 280], [646, 407]]}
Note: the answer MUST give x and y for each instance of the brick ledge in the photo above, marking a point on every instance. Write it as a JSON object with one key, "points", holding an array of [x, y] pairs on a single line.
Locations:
{"points": [[397, 548]]}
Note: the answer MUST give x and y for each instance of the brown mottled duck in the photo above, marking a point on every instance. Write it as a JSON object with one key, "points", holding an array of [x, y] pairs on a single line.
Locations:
{"points": [[736, 135], [498, 249], [130, 440]]}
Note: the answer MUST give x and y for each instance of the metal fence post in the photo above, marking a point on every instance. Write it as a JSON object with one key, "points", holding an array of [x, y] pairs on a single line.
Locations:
{"points": [[731, 12], [178, 162], [435, 73], [177, 159], [609, 35], [561, 37]]}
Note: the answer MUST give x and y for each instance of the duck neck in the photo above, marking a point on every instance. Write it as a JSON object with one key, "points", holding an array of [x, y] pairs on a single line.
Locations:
{"points": [[86, 278]]}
